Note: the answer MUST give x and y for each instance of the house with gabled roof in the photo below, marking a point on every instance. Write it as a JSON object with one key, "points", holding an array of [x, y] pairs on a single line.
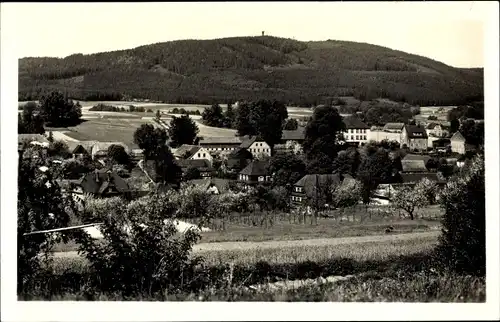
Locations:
{"points": [[214, 186], [356, 131], [256, 145], [80, 149], [192, 152], [393, 127], [436, 129], [100, 149], [255, 173], [414, 137], [99, 183], [459, 144], [315, 189], [203, 165]]}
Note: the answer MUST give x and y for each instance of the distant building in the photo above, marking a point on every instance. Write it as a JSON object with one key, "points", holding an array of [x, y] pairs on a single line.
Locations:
{"points": [[218, 144], [80, 149], [393, 127], [356, 131], [99, 183], [436, 129], [203, 165], [100, 149], [414, 163], [459, 144], [255, 173], [314, 188], [257, 146], [193, 152], [414, 137]]}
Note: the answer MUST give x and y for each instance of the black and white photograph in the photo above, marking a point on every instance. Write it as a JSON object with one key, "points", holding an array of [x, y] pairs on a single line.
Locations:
{"points": [[201, 153]]}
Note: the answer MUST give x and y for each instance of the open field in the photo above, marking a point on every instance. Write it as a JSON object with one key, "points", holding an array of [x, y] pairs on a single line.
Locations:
{"points": [[107, 129]]}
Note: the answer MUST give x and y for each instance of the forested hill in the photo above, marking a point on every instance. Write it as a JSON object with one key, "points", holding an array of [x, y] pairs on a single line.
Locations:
{"points": [[246, 68]]}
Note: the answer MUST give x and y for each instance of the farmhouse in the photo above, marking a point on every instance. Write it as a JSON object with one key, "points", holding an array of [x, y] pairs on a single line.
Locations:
{"points": [[214, 186], [218, 144], [393, 127], [257, 146], [193, 152], [203, 165], [436, 129], [297, 136], [414, 137], [80, 149], [314, 188], [254, 173], [100, 183], [459, 145], [100, 149], [356, 131]]}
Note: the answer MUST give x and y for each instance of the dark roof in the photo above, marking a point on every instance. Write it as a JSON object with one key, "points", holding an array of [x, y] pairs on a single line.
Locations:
{"points": [[295, 135], [416, 177], [415, 132], [98, 181], [256, 168], [186, 150], [200, 164], [414, 157], [432, 125], [393, 126], [311, 182], [413, 166], [220, 140], [80, 146], [354, 123], [221, 184], [249, 140]]}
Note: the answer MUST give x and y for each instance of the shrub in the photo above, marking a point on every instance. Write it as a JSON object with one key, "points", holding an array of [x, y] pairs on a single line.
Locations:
{"points": [[462, 243], [141, 252]]}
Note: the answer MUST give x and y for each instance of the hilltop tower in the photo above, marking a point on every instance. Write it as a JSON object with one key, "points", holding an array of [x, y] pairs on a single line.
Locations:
{"points": [[262, 33]]}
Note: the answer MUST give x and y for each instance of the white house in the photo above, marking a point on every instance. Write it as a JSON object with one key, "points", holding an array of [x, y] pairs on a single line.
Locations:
{"points": [[193, 152], [256, 146], [356, 131], [435, 129], [459, 144]]}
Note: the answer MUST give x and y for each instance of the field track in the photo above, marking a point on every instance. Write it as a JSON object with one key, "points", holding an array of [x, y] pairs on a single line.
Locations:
{"points": [[228, 246]]}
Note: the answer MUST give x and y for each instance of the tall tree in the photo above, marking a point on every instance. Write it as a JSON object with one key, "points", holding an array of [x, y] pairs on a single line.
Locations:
{"points": [[213, 116], [321, 135], [118, 154], [30, 119], [243, 122], [57, 111], [375, 168], [182, 130], [268, 118], [229, 116], [149, 139], [291, 125], [286, 169]]}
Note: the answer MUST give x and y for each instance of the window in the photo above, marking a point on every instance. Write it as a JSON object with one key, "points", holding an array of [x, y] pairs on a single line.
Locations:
{"points": [[299, 198], [203, 154], [298, 189], [364, 137], [357, 137], [261, 178], [199, 155]]}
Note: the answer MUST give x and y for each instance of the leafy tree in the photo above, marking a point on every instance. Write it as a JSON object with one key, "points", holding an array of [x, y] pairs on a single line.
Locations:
{"points": [[192, 173], [118, 154], [375, 168], [410, 199], [158, 115], [346, 194], [243, 122], [429, 189], [41, 205], [322, 164], [473, 132], [291, 125], [462, 243], [229, 116], [287, 169], [267, 118], [213, 116], [141, 252], [58, 111], [30, 120], [182, 130], [347, 161], [58, 149], [149, 139], [321, 136], [166, 169], [454, 125]]}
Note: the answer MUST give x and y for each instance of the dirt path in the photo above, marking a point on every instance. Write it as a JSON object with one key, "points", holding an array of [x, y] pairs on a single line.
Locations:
{"points": [[228, 246]]}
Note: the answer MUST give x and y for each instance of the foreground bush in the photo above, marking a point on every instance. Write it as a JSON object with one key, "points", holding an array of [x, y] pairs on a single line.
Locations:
{"points": [[462, 244], [141, 252]]}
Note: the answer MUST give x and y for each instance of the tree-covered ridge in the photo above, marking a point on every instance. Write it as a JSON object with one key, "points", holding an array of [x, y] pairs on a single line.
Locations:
{"points": [[231, 69]]}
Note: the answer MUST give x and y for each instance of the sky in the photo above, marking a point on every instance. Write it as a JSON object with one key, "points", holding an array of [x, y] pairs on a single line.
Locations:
{"points": [[450, 32]]}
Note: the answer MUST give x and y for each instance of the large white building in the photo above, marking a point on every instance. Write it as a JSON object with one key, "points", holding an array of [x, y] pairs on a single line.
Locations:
{"points": [[356, 131]]}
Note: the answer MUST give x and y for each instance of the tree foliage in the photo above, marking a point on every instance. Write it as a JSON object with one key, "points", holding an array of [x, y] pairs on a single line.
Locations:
{"points": [[410, 199], [149, 139], [30, 120], [182, 130], [346, 194], [213, 116], [375, 168], [291, 124], [118, 154], [463, 241], [59, 111], [321, 136], [286, 169]]}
